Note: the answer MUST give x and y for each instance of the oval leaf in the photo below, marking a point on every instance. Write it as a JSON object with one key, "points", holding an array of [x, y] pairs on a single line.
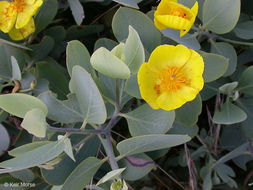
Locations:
{"points": [[35, 123], [221, 16], [188, 114], [111, 175], [30, 159], [148, 143], [148, 33], [46, 14], [215, 66], [229, 114], [137, 166], [144, 120], [108, 64], [16, 74], [67, 111], [82, 174], [88, 96], [246, 81], [77, 10], [227, 51], [244, 30], [58, 82], [134, 51], [19, 104], [77, 54], [4, 139]]}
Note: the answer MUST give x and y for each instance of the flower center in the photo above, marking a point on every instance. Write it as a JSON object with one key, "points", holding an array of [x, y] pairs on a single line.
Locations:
{"points": [[20, 5], [171, 79], [177, 12]]}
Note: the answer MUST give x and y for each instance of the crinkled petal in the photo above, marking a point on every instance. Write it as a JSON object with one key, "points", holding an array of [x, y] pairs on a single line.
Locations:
{"points": [[22, 33], [158, 25], [30, 2], [8, 16], [147, 81], [169, 55], [194, 69], [194, 11], [166, 6], [169, 101], [29, 10], [174, 22], [163, 19], [175, 99]]}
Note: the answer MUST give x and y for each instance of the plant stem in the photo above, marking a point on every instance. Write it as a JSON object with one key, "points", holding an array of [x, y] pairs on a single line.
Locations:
{"points": [[117, 100], [73, 130], [110, 153], [112, 122]]}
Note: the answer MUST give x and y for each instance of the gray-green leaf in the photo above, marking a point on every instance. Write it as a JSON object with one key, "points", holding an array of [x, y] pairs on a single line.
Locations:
{"points": [[19, 104], [35, 122], [108, 64], [229, 114], [221, 16], [144, 121], [148, 143], [88, 96]]}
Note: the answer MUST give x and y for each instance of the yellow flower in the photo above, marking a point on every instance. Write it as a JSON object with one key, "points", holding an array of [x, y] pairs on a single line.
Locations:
{"points": [[170, 14], [171, 77], [16, 17]]}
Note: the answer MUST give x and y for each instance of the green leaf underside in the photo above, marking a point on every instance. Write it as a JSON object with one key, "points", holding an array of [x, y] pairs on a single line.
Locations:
{"points": [[229, 114], [19, 104], [108, 64], [82, 174], [67, 111], [34, 157], [148, 143], [221, 16], [77, 54], [35, 122], [88, 96], [144, 121]]}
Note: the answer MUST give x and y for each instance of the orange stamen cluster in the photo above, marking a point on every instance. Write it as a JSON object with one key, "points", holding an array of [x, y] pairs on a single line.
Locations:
{"points": [[9, 10], [20, 5], [171, 79], [178, 12]]}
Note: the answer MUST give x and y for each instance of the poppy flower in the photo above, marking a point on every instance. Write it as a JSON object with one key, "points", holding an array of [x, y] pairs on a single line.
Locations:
{"points": [[171, 77], [170, 14], [16, 17]]}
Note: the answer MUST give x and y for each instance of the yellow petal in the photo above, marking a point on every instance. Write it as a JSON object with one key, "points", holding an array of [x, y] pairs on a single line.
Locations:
{"points": [[169, 101], [147, 81], [194, 69], [168, 55], [194, 11], [173, 100], [22, 33], [158, 25], [166, 16], [8, 16], [174, 22], [26, 14], [30, 2]]}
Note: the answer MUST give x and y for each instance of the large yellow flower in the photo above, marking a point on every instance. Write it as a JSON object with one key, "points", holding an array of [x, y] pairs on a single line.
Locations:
{"points": [[171, 77], [16, 17], [170, 14]]}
